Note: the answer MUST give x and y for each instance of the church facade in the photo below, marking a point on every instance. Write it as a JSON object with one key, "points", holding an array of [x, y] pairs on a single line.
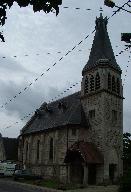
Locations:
{"points": [[78, 139]]}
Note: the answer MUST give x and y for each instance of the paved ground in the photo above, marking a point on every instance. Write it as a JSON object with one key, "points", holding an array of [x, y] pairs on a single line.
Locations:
{"points": [[97, 189], [11, 186], [7, 185]]}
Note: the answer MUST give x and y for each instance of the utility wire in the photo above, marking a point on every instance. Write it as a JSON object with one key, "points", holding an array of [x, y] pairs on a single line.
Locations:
{"points": [[123, 9], [16, 96], [37, 54], [53, 99], [120, 8], [77, 8], [62, 93], [127, 66], [62, 59], [47, 70]]}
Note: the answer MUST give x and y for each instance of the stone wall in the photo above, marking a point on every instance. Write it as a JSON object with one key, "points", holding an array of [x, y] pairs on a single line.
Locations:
{"points": [[62, 138], [106, 133]]}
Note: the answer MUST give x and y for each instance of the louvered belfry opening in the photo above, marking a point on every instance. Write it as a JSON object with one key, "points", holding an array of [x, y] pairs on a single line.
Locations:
{"points": [[86, 88], [97, 81], [92, 83]]}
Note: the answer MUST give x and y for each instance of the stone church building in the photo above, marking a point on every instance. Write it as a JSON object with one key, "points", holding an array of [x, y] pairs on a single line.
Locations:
{"points": [[78, 139]]}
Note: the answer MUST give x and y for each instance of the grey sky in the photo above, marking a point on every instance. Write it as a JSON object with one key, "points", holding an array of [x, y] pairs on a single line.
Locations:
{"points": [[29, 33]]}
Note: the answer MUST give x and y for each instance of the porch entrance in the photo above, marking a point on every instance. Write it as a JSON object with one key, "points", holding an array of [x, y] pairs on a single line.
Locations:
{"points": [[83, 158], [112, 169], [91, 174], [76, 173]]}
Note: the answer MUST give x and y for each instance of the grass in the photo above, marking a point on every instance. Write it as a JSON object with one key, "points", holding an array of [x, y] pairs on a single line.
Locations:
{"points": [[43, 183], [54, 184]]}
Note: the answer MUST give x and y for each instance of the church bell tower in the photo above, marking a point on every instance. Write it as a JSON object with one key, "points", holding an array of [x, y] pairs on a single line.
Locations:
{"points": [[102, 100]]}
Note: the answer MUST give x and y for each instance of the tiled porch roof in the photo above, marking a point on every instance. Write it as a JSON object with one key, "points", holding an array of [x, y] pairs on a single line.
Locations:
{"points": [[87, 151]]}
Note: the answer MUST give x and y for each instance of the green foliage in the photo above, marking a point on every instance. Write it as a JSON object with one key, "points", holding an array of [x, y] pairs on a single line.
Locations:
{"points": [[125, 184], [43, 183], [109, 3], [127, 149], [38, 5]]}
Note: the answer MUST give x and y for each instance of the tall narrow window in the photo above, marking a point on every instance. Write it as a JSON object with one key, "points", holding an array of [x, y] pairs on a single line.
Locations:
{"points": [[113, 84], [38, 149], [26, 150], [118, 86], [86, 85], [114, 116], [51, 149], [92, 114], [92, 83], [109, 81], [97, 81]]}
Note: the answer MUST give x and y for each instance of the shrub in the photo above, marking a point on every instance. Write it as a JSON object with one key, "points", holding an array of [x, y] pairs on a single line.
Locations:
{"points": [[125, 183]]}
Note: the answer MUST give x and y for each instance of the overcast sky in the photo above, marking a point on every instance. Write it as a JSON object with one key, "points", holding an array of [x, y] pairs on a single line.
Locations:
{"points": [[29, 33]]}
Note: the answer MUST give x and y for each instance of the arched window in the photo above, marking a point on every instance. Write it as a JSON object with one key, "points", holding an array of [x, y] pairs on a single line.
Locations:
{"points": [[97, 81], [92, 83], [26, 150], [51, 149], [118, 86], [109, 81], [86, 85], [113, 84], [38, 149]]}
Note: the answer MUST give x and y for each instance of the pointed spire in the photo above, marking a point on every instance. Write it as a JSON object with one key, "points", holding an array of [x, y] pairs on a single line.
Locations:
{"points": [[101, 51]]}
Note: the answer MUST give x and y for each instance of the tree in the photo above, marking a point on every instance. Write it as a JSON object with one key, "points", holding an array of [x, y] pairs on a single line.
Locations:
{"points": [[38, 5], [125, 182], [127, 150]]}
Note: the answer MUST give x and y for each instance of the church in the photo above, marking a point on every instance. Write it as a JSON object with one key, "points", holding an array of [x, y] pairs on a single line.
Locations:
{"points": [[79, 138]]}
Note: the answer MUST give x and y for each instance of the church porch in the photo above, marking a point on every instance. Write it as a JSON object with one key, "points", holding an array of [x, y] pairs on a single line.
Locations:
{"points": [[85, 164]]}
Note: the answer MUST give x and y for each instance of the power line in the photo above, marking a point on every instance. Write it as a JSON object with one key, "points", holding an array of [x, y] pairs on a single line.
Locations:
{"points": [[24, 89], [125, 49], [77, 8], [62, 93], [120, 8], [52, 100], [127, 66], [69, 51], [123, 9], [37, 54], [47, 70]]}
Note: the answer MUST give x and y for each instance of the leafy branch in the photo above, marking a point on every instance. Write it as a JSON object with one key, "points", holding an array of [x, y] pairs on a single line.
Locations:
{"points": [[38, 5]]}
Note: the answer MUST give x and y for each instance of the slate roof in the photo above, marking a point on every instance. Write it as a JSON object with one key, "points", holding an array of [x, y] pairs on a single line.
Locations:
{"points": [[87, 151], [11, 148], [101, 51], [65, 111]]}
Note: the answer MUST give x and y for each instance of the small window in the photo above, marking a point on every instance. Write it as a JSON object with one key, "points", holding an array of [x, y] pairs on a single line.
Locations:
{"points": [[51, 149], [86, 85], [92, 114], [97, 81], [114, 116], [38, 149], [118, 86], [73, 132], [113, 84], [26, 150], [109, 81], [92, 83]]}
